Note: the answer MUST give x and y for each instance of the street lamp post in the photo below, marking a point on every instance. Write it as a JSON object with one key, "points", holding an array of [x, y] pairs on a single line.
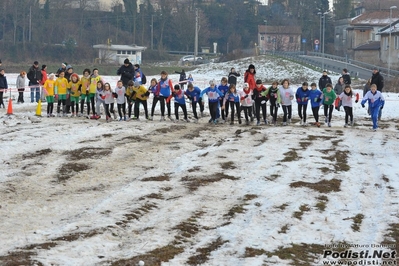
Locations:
{"points": [[389, 40], [322, 48], [152, 32], [320, 14]]}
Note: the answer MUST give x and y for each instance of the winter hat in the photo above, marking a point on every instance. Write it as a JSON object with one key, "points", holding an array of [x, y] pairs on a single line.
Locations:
{"points": [[258, 81], [126, 62], [75, 75], [36, 63], [68, 67], [43, 67], [137, 84], [51, 75], [375, 68], [64, 64]]}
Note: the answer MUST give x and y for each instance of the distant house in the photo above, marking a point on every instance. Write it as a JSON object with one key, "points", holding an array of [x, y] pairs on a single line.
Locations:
{"points": [[390, 46], [279, 38], [110, 53], [363, 30]]}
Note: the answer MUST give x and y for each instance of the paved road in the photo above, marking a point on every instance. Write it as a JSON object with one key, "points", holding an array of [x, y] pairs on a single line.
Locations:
{"points": [[337, 66]]}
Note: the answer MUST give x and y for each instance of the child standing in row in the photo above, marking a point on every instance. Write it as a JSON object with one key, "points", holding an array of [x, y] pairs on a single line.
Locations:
{"points": [[329, 97], [140, 98], [287, 95], [302, 98], [260, 102], [232, 98], [48, 89], [99, 99], [61, 85], [193, 94], [345, 98], [376, 102], [75, 87], [213, 99], [273, 93], [21, 81], [180, 101], [85, 81], [120, 92], [129, 98], [246, 103], [223, 88], [316, 97], [108, 100]]}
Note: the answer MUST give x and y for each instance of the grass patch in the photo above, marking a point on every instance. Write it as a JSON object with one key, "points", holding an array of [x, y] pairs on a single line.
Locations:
{"points": [[299, 254], [323, 186], [194, 183], [340, 159], [272, 177], [35, 154], [282, 206], [152, 196], [69, 170], [136, 214], [290, 156], [283, 229], [228, 165], [357, 222], [302, 209], [304, 144], [322, 203], [240, 208], [205, 252], [391, 238], [169, 129], [87, 153], [159, 178]]}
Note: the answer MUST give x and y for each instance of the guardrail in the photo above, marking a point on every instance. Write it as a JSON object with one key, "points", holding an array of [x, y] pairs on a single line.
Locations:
{"points": [[307, 59]]}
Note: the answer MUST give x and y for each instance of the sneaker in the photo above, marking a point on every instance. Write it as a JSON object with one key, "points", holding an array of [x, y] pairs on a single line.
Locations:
{"points": [[120, 119], [64, 114], [317, 124], [329, 124], [58, 115], [210, 120], [326, 119], [239, 121], [202, 114], [80, 115], [252, 118], [124, 118], [115, 117], [301, 123], [274, 123], [258, 123], [266, 122], [352, 123], [284, 123], [247, 123], [170, 118], [188, 121], [289, 121], [52, 115], [48, 115], [196, 121], [305, 124], [162, 118], [215, 121], [346, 125], [151, 118], [374, 129], [232, 123]]}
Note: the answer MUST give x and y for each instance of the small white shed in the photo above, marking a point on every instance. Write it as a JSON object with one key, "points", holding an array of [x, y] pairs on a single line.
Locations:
{"points": [[115, 53]]}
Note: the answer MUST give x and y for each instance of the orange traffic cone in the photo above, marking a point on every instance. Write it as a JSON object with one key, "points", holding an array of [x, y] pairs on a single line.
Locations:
{"points": [[39, 108], [9, 109]]}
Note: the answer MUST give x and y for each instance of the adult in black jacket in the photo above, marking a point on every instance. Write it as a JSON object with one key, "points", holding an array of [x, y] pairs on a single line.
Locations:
{"points": [[378, 80], [232, 79], [35, 76], [324, 80], [182, 78], [126, 71], [346, 76]]}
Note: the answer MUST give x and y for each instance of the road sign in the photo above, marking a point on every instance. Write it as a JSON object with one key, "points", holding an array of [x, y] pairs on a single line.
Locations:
{"points": [[316, 42]]}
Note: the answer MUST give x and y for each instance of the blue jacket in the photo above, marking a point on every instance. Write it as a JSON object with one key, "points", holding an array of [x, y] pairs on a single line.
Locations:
{"points": [[315, 97], [179, 97], [213, 94], [223, 89], [302, 96], [231, 97], [193, 95], [375, 100]]}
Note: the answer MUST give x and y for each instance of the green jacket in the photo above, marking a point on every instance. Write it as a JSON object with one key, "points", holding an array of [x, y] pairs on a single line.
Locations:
{"points": [[329, 97]]}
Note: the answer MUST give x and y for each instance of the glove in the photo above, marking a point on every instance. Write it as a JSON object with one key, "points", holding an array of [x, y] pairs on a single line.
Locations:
{"points": [[246, 96], [363, 105], [336, 108], [147, 93], [278, 105], [173, 94], [356, 101], [115, 95], [142, 95]]}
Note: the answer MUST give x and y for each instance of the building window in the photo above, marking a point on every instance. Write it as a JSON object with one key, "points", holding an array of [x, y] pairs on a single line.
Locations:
{"points": [[396, 42], [269, 39], [291, 39]]}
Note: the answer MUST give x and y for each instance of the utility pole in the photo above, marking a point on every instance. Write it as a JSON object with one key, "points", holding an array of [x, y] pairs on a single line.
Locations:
{"points": [[196, 36]]}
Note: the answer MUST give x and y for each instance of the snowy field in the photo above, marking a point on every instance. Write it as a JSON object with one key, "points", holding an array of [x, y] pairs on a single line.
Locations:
{"points": [[75, 191]]}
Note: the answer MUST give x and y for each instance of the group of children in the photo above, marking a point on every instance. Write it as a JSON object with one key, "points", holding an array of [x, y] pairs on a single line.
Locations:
{"points": [[222, 99]]}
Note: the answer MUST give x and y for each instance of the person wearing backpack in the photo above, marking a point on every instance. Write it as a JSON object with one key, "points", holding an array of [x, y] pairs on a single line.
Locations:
{"points": [[126, 71]]}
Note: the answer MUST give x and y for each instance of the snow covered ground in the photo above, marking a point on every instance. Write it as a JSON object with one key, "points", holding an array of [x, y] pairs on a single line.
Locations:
{"points": [[76, 191]]}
